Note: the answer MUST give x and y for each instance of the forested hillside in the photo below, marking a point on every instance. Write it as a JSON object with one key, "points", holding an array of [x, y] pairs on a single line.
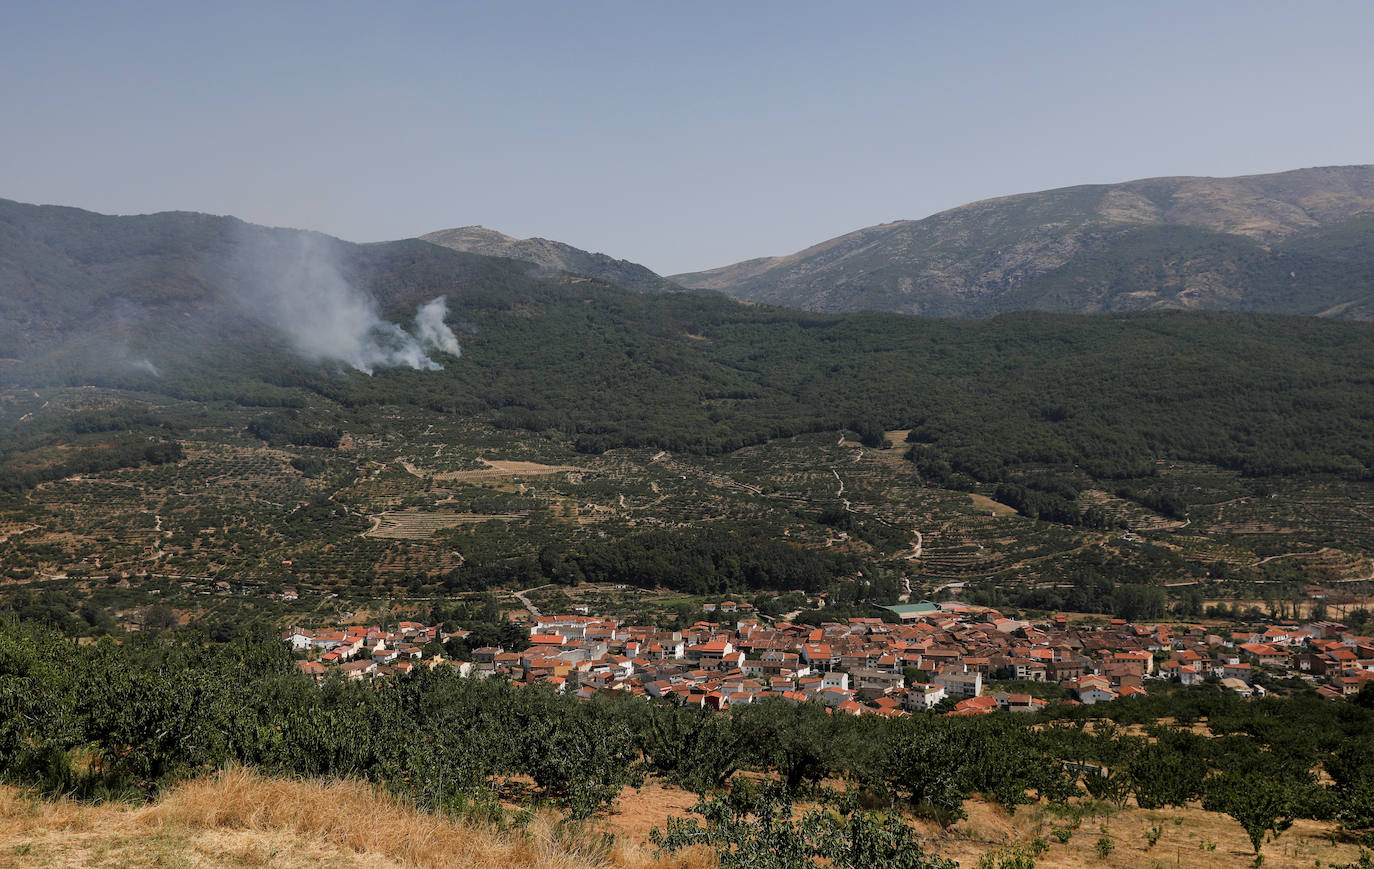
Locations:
{"points": [[148, 303], [153, 345]]}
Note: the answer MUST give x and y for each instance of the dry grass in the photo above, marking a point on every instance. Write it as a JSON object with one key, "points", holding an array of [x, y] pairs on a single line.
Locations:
{"points": [[238, 818], [983, 503], [497, 468], [1199, 839], [1187, 837]]}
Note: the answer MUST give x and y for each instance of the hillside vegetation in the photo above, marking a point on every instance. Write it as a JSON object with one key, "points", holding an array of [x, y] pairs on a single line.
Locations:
{"points": [[178, 449], [1293, 242], [152, 420], [138, 719], [237, 818], [151, 304]]}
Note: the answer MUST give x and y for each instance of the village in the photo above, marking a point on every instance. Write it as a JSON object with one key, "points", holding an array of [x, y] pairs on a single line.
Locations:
{"points": [[946, 657]]}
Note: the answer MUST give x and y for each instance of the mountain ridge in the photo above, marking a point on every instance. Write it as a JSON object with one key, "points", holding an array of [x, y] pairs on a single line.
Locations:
{"points": [[551, 257], [961, 261], [245, 321]]}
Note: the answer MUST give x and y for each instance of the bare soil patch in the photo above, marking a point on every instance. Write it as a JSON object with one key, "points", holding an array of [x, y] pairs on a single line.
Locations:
{"points": [[638, 812], [984, 504], [419, 524], [1188, 837], [496, 468]]}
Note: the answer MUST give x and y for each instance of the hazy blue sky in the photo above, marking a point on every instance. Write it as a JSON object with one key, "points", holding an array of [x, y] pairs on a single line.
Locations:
{"points": [[680, 135]]}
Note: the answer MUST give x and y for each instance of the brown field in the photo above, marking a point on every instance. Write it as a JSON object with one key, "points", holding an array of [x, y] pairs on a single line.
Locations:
{"points": [[1202, 840], [893, 456], [984, 503], [988, 828], [419, 524], [495, 469]]}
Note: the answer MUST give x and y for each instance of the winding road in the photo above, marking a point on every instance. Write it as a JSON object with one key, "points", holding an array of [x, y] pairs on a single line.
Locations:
{"points": [[520, 596], [916, 547]]}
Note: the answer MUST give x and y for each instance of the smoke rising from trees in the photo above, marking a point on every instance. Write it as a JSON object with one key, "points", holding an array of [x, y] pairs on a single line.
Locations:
{"points": [[295, 284]]}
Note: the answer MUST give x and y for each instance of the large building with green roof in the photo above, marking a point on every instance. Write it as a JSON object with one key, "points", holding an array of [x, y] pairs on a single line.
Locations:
{"points": [[907, 611]]}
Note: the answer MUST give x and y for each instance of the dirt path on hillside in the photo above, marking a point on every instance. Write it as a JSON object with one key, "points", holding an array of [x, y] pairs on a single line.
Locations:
{"points": [[520, 596]]}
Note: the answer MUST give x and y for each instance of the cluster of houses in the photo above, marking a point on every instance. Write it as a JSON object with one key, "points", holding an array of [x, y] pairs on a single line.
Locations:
{"points": [[936, 652], [361, 652]]}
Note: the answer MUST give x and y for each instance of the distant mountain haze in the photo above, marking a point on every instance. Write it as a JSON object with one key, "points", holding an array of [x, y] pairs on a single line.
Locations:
{"points": [[1299, 242]]}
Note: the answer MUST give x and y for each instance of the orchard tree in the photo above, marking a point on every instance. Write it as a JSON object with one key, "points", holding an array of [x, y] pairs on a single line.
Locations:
{"points": [[1259, 804], [697, 748], [754, 828]]}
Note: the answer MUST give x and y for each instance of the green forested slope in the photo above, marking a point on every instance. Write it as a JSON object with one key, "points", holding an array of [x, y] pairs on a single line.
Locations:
{"points": [[603, 367]]}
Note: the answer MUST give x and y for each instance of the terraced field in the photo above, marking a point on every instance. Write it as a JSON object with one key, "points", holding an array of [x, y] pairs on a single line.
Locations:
{"points": [[409, 500], [1134, 516]]}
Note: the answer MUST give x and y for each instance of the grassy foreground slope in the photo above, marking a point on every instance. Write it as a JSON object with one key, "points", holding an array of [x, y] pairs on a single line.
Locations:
{"points": [[238, 818]]}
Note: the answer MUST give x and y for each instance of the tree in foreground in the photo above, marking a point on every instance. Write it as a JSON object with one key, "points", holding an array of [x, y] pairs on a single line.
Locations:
{"points": [[1259, 803], [753, 827]]}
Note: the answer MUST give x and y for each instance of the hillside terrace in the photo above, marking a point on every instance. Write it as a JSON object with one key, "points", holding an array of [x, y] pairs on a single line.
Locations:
{"points": [[861, 666]]}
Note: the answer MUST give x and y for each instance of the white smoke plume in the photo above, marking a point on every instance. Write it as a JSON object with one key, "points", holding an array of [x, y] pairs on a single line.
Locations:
{"points": [[431, 330], [295, 284], [113, 351]]}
